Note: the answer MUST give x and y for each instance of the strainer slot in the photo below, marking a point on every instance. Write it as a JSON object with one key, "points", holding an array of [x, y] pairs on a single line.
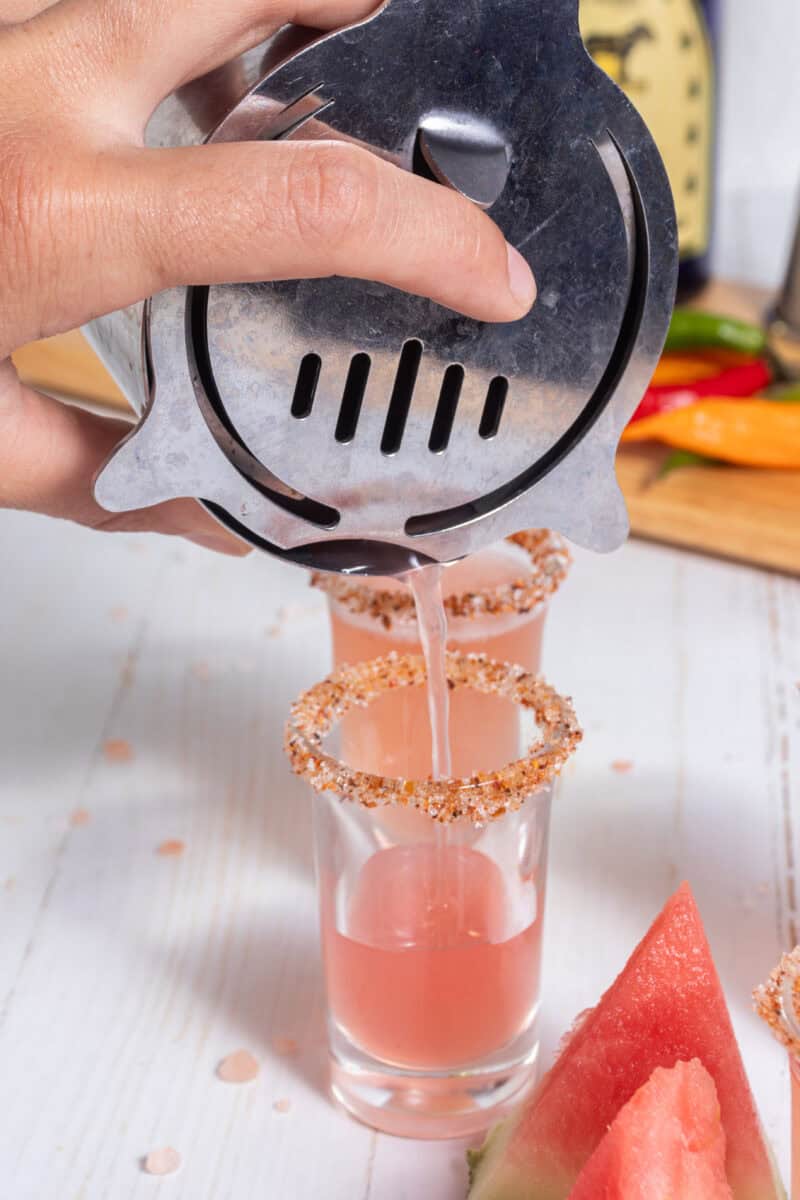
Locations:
{"points": [[308, 106], [353, 398], [306, 387], [449, 396], [402, 394], [493, 408]]}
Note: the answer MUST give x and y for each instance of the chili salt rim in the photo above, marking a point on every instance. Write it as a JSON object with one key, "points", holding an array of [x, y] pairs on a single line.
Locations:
{"points": [[778, 1001], [484, 796], [549, 557]]}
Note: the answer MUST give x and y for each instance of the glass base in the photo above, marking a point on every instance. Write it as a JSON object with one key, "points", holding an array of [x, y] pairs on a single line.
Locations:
{"points": [[432, 1105]]}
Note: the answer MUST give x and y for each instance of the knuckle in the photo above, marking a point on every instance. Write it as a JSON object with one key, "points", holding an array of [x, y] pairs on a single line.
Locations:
{"points": [[24, 203], [473, 239], [332, 194], [43, 218]]}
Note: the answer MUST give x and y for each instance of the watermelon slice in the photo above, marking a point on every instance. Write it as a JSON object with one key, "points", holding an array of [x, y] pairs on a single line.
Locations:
{"points": [[667, 1141], [667, 1006]]}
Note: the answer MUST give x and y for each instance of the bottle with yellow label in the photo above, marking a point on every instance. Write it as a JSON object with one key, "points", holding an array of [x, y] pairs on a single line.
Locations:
{"points": [[662, 54]]}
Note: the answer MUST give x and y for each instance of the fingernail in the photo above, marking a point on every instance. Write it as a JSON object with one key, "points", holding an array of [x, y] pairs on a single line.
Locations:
{"points": [[520, 279]]}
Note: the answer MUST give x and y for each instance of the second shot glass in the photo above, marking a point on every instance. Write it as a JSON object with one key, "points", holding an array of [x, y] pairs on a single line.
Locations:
{"points": [[496, 603]]}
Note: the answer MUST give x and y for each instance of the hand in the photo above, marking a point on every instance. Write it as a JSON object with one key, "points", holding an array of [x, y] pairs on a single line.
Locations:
{"points": [[91, 220]]}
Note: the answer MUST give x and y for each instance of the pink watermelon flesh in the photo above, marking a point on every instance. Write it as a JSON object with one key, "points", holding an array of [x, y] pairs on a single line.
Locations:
{"points": [[667, 1006], [668, 1140]]}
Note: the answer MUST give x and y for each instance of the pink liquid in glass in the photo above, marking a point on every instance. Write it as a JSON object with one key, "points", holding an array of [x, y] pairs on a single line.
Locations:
{"points": [[392, 737], [427, 976]]}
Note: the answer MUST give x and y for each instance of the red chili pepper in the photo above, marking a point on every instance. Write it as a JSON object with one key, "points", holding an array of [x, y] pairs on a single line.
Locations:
{"points": [[738, 382]]}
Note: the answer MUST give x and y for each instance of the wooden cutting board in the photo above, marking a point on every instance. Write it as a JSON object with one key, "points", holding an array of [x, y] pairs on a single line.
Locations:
{"points": [[66, 366], [731, 512]]}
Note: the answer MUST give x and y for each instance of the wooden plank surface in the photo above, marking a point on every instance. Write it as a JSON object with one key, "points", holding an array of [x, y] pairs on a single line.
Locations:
{"points": [[728, 511], [125, 976]]}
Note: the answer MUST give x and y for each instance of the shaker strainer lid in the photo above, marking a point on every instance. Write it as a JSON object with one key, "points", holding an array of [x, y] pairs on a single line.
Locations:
{"points": [[350, 427]]}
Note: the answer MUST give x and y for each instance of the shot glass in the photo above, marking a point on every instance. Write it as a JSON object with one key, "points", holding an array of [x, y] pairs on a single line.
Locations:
{"points": [[496, 602], [778, 1002], [431, 943]]}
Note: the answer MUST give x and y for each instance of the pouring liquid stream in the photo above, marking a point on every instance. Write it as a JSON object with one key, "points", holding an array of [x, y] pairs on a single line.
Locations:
{"points": [[426, 588]]}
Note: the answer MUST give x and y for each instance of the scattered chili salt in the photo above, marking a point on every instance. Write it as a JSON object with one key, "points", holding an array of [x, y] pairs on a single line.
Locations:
{"points": [[623, 766], [285, 1046], [282, 1106], [117, 750], [162, 1162], [80, 816], [239, 1067], [171, 849]]}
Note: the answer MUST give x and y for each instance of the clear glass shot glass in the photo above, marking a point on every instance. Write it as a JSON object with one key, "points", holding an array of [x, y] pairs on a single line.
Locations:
{"points": [[778, 1002], [431, 933], [497, 603]]}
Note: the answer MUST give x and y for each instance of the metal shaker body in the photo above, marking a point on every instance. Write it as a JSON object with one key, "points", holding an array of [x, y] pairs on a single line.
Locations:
{"points": [[244, 388]]}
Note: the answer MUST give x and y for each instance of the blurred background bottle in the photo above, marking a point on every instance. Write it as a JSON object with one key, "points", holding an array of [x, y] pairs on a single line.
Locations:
{"points": [[662, 53]]}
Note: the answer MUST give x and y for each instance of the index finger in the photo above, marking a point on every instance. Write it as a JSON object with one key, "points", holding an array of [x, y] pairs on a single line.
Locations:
{"points": [[151, 48]]}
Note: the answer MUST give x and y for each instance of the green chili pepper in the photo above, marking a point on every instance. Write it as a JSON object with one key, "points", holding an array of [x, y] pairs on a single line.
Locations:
{"points": [[685, 458], [787, 393], [692, 330]]}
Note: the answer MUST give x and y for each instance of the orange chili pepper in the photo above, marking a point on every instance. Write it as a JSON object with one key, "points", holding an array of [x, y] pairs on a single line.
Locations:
{"points": [[679, 370], [752, 433]]}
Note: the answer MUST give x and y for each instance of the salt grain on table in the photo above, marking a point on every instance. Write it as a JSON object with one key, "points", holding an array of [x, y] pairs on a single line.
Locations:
{"points": [[117, 750], [162, 1162], [239, 1067], [282, 1106], [119, 614], [285, 1046], [171, 849], [80, 816], [622, 766]]}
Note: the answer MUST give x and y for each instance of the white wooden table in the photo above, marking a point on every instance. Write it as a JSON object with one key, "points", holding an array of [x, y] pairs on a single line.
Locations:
{"points": [[125, 976]]}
